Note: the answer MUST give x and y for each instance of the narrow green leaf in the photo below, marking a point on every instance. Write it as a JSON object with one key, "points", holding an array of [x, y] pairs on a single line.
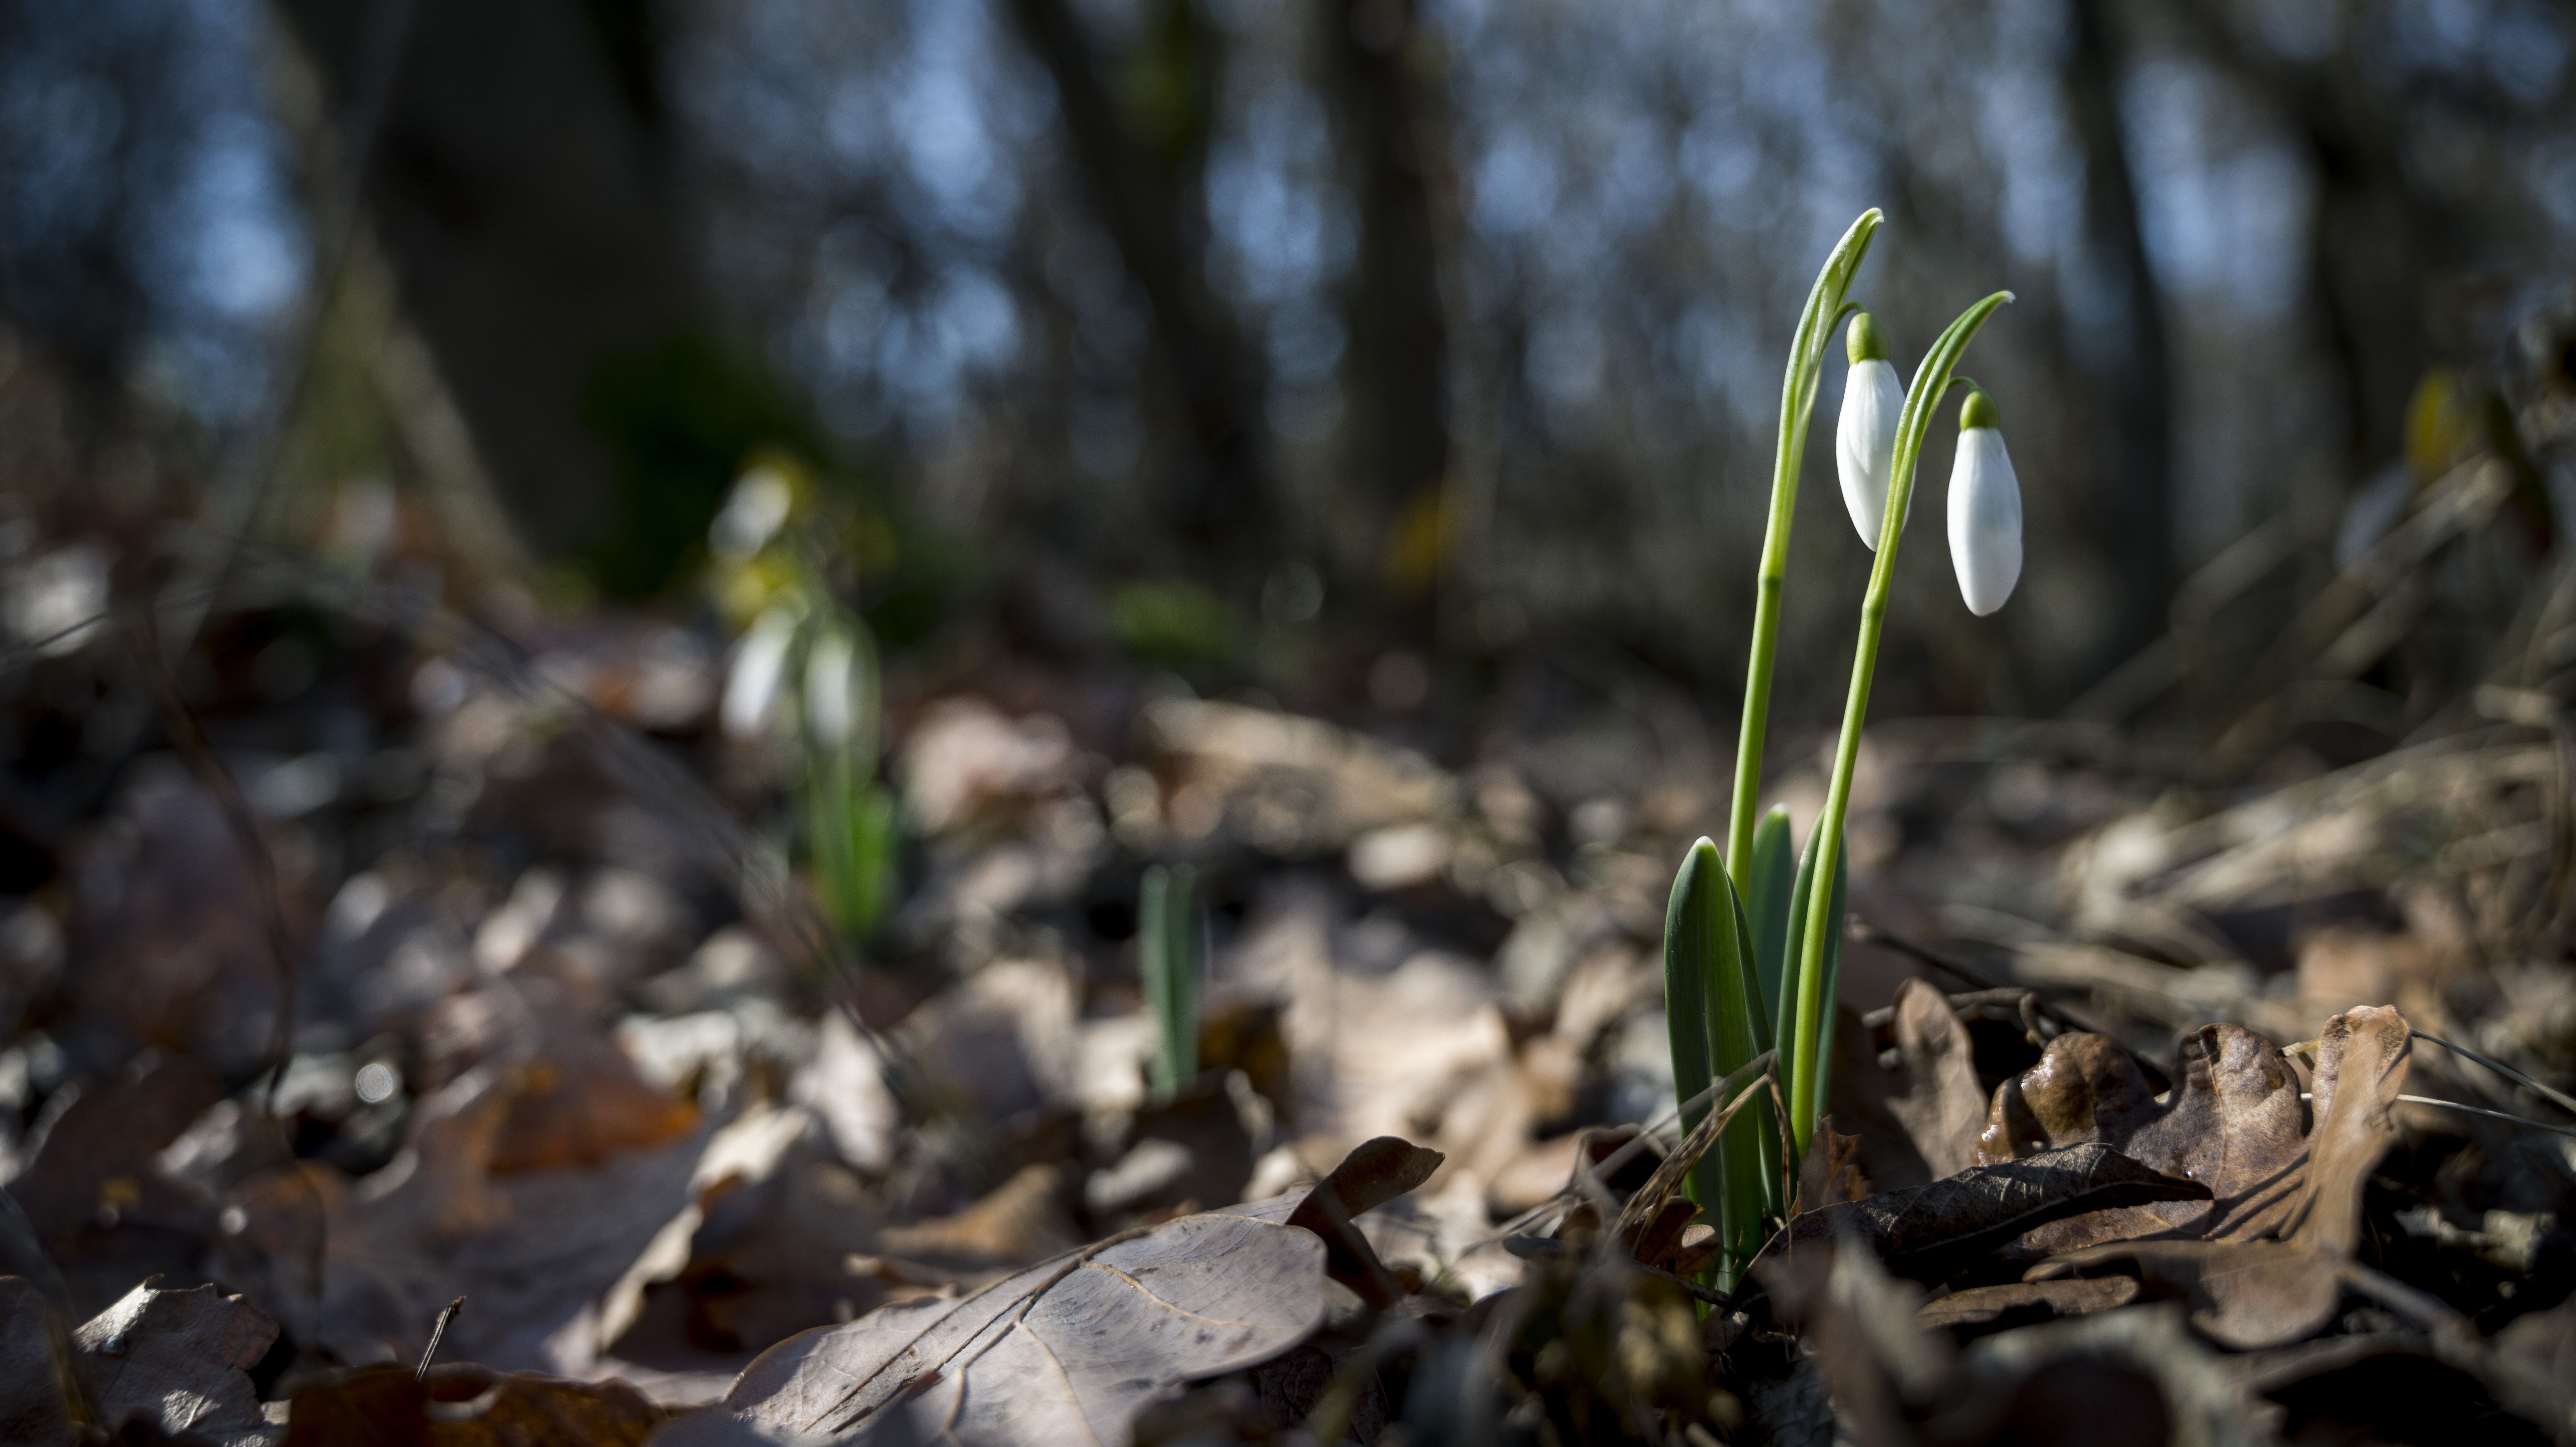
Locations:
{"points": [[1714, 1017], [1688, 967], [1766, 907], [1167, 941]]}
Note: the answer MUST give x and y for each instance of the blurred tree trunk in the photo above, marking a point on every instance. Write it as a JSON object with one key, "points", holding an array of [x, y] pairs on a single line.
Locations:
{"points": [[2128, 357], [1141, 172], [520, 184], [1396, 377], [2373, 238]]}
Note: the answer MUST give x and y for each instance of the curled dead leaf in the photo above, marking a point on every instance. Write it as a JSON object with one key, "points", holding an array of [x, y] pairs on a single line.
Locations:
{"points": [[1934, 1092], [2232, 1122], [2012, 1300], [1928, 1231]]}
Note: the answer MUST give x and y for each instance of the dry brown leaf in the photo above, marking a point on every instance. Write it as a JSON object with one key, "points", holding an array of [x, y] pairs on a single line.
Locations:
{"points": [[1072, 1349], [100, 1151], [1067, 1350], [1372, 1175], [472, 1406], [2361, 1067], [1659, 1238], [1830, 1175], [178, 1360], [1019, 1221], [1935, 1095], [2243, 1294], [2251, 1294], [2232, 1122], [35, 1367], [1986, 1305], [463, 1405], [1928, 1231]]}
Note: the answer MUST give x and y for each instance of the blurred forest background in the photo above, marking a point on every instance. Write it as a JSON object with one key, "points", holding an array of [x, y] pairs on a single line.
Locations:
{"points": [[1270, 340], [529, 529]]}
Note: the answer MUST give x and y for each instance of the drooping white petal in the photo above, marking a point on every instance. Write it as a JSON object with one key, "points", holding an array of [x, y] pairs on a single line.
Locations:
{"points": [[753, 684], [1865, 444], [828, 714], [1985, 520]]}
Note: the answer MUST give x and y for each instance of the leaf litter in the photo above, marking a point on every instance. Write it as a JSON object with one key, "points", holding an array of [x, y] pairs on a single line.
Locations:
{"points": [[592, 1074]]}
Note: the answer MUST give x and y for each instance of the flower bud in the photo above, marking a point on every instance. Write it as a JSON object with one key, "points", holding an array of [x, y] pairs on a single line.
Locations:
{"points": [[1985, 508], [1865, 437]]}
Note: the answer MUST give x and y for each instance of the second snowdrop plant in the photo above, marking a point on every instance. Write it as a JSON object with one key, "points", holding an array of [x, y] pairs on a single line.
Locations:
{"points": [[1752, 943]]}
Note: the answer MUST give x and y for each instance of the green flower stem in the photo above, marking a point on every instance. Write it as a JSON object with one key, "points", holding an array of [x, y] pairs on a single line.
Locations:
{"points": [[1824, 313], [1930, 381]]}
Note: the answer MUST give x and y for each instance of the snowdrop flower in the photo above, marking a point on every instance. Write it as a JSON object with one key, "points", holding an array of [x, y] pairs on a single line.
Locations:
{"points": [[753, 684], [1985, 508], [1865, 438]]}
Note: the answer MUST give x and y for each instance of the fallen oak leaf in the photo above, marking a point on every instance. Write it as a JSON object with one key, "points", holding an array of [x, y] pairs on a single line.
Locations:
{"points": [[1927, 1231], [1986, 1305], [2267, 1293], [464, 1405], [1075, 1347], [1830, 1176], [1934, 1093], [179, 1360], [2362, 1057], [2242, 1294], [2232, 1121]]}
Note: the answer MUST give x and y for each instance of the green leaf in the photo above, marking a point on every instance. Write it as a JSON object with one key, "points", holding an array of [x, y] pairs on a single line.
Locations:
{"points": [[1766, 905], [1820, 1048], [1713, 1015], [1167, 940]]}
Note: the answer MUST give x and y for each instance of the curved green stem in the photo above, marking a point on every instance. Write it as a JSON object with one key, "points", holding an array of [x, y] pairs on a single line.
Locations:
{"points": [[1816, 326], [1930, 381]]}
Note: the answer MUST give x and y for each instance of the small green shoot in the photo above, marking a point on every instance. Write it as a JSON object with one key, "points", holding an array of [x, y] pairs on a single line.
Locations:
{"points": [[1167, 946]]}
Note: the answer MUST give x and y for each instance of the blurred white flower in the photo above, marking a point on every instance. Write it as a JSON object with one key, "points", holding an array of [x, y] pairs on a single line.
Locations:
{"points": [[828, 712], [1985, 509], [752, 686], [1865, 438], [753, 514]]}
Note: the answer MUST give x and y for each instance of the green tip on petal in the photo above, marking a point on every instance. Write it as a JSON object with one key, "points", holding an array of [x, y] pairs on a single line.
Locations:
{"points": [[1867, 340], [1979, 411]]}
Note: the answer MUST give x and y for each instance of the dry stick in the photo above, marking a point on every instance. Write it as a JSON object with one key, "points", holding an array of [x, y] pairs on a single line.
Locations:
{"points": [[2564, 1130], [2498, 1066], [1651, 1196], [1608, 1165], [2555, 1098], [437, 1334], [1869, 934]]}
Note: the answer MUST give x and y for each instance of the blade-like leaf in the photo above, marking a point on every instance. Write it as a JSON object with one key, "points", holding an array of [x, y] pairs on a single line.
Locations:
{"points": [[1709, 977], [1766, 907], [1167, 955]]}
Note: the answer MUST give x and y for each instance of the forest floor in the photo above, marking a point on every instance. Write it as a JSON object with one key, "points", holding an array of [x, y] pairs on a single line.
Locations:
{"points": [[2133, 1134]]}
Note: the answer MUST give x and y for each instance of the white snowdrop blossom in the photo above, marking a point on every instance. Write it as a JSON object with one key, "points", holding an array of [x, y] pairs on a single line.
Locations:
{"points": [[1865, 437], [1985, 509], [753, 684]]}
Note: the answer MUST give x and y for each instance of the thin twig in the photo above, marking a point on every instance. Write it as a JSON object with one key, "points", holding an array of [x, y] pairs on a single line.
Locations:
{"points": [[2565, 1130], [1607, 1166], [437, 1334], [2499, 1067]]}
